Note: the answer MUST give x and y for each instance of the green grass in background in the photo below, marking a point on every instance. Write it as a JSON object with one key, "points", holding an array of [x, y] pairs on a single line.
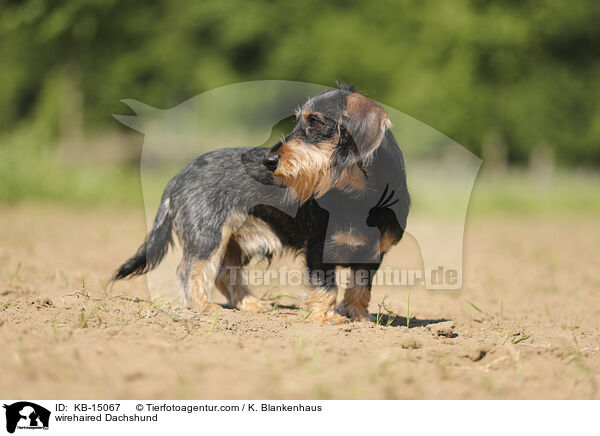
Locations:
{"points": [[515, 191], [31, 171], [523, 193], [522, 74], [36, 173]]}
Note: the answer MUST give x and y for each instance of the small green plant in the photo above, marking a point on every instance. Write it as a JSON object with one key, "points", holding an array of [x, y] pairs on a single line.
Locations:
{"points": [[82, 319], [215, 320], [391, 316], [516, 339], [379, 314], [158, 302], [581, 363], [483, 312], [53, 324], [307, 315]]}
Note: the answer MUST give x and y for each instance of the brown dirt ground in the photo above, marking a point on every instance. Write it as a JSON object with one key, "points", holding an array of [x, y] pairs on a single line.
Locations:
{"points": [[535, 280]]}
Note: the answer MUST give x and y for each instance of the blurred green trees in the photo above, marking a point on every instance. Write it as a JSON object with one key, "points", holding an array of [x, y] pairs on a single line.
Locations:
{"points": [[522, 74]]}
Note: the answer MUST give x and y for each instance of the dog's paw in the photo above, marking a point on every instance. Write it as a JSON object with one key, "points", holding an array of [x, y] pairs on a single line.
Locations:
{"points": [[330, 317], [355, 315], [252, 304], [204, 308], [362, 317]]}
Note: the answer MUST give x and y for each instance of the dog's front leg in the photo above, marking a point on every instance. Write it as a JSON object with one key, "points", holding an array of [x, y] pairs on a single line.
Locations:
{"points": [[355, 304], [321, 298]]}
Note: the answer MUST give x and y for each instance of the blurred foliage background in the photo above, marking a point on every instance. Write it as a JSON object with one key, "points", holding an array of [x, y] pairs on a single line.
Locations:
{"points": [[516, 82]]}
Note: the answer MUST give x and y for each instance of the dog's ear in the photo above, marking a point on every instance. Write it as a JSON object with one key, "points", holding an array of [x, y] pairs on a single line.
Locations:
{"points": [[365, 123]]}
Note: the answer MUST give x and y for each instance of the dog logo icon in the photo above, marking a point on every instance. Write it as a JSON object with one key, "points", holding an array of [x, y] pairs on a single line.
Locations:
{"points": [[26, 415]]}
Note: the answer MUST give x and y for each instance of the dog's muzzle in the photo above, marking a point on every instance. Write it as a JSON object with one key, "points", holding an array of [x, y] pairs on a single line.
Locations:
{"points": [[271, 161]]}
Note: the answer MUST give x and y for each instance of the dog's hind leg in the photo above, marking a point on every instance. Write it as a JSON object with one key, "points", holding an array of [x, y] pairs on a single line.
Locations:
{"points": [[197, 278], [231, 283]]}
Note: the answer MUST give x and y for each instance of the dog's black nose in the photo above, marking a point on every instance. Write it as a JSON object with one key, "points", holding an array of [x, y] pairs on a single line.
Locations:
{"points": [[271, 161]]}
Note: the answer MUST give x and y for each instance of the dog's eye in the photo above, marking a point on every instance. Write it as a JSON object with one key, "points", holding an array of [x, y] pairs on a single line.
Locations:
{"points": [[312, 123]]}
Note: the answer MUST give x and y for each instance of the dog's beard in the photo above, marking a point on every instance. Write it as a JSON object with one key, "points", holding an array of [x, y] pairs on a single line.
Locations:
{"points": [[306, 171]]}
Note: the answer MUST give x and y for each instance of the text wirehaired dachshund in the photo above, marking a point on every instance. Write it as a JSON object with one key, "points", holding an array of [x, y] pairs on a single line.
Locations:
{"points": [[342, 167]]}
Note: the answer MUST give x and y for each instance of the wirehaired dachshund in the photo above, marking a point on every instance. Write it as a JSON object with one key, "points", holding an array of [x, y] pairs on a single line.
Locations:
{"points": [[341, 170]]}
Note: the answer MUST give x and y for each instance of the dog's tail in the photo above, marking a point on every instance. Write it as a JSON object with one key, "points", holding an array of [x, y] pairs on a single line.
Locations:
{"points": [[154, 248]]}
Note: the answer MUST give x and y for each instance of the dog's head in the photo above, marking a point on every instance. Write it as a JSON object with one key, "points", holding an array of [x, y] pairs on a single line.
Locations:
{"points": [[335, 136]]}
